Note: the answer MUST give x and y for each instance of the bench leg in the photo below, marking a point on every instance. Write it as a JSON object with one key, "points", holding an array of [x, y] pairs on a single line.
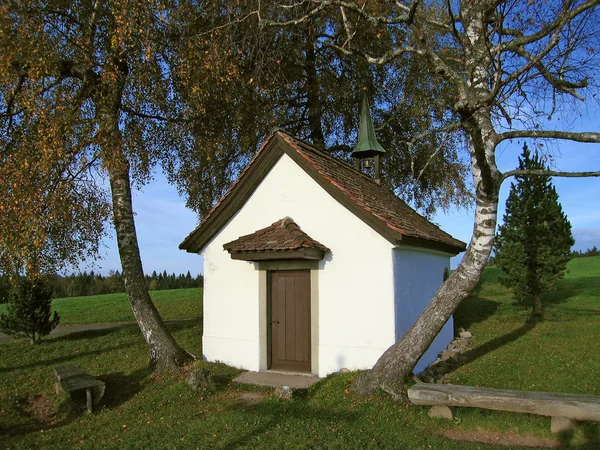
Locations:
{"points": [[89, 404], [560, 424]]}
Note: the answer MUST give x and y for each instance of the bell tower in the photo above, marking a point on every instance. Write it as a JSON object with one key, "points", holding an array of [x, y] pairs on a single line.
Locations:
{"points": [[367, 150]]}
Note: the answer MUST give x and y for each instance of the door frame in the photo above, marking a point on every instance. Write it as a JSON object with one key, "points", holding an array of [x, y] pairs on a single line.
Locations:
{"points": [[264, 301]]}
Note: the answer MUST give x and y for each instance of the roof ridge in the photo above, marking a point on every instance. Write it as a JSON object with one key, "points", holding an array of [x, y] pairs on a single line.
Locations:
{"points": [[299, 236], [328, 155]]}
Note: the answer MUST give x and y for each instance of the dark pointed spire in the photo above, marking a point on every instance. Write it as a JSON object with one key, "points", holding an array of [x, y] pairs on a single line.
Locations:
{"points": [[367, 146]]}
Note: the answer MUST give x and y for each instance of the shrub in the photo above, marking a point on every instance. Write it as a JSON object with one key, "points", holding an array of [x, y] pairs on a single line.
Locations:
{"points": [[28, 310]]}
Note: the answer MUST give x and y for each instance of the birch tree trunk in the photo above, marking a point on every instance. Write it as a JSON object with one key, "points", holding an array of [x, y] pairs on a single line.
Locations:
{"points": [[473, 107], [398, 361], [165, 354]]}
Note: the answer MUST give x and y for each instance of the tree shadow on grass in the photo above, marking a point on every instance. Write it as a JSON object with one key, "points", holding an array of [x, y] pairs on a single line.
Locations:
{"points": [[30, 422], [473, 310], [565, 290], [178, 325], [87, 334], [588, 439], [278, 413], [121, 387], [65, 358], [571, 287], [501, 341], [173, 326], [496, 343]]}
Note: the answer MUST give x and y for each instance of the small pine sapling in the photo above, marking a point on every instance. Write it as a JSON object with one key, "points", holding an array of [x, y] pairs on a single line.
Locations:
{"points": [[28, 310]]}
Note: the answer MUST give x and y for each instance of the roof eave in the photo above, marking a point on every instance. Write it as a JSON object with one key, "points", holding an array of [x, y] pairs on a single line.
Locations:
{"points": [[310, 254], [433, 245]]}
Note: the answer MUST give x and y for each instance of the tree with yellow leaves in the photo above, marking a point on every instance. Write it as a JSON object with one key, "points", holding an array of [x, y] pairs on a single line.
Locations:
{"points": [[83, 86]]}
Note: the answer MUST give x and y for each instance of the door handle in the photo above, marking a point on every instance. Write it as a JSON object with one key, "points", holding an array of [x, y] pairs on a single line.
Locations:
{"points": [[274, 322]]}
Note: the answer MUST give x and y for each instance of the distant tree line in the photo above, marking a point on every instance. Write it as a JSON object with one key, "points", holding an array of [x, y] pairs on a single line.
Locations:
{"points": [[84, 284], [574, 254], [589, 252]]}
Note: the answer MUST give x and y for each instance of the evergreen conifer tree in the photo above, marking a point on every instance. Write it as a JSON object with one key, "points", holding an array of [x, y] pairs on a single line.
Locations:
{"points": [[28, 310], [533, 244]]}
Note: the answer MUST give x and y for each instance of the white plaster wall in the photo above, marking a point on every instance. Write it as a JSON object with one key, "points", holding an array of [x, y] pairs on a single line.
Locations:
{"points": [[356, 308], [417, 275], [230, 308]]}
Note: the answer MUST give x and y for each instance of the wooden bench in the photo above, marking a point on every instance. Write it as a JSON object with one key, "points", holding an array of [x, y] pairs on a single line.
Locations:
{"points": [[74, 381], [564, 409]]}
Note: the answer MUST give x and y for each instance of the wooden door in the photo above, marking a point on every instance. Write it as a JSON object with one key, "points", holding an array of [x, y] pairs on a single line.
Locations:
{"points": [[289, 317]]}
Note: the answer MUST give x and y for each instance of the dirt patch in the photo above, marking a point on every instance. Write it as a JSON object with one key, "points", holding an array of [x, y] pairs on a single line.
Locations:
{"points": [[252, 398], [41, 408], [495, 437]]}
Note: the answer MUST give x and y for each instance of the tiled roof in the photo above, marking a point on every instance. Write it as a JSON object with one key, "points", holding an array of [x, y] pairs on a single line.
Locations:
{"points": [[283, 235], [375, 205], [374, 199]]}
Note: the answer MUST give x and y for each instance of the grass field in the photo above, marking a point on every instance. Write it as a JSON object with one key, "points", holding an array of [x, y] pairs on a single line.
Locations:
{"points": [[175, 304], [141, 410]]}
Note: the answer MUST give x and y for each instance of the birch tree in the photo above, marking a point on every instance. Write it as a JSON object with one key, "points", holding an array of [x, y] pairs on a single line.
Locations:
{"points": [[83, 85], [512, 65]]}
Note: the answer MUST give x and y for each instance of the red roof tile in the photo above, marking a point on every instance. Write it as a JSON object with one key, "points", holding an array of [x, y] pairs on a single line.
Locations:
{"points": [[281, 236]]}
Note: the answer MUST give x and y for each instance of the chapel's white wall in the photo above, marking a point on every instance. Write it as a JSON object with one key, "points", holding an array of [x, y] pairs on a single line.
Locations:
{"points": [[417, 275], [230, 307], [356, 308]]}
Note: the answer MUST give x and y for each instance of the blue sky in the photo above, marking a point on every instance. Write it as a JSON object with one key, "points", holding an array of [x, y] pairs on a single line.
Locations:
{"points": [[163, 221]]}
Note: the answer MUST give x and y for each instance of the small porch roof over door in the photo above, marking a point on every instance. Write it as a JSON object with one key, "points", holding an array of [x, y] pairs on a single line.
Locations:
{"points": [[283, 239]]}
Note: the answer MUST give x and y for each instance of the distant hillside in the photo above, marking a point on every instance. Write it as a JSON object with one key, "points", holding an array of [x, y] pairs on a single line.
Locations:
{"points": [[587, 266]]}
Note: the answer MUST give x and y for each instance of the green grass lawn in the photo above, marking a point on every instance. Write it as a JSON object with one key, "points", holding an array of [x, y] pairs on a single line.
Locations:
{"points": [[560, 353], [177, 304], [142, 410]]}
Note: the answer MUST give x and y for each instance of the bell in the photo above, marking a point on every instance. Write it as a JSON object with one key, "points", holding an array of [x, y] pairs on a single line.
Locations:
{"points": [[367, 145]]}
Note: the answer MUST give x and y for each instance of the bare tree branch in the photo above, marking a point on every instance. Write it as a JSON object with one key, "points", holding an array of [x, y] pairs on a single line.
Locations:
{"points": [[321, 5], [407, 17], [551, 173], [347, 27], [533, 61], [378, 60], [591, 137], [536, 61], [142, 115], [433, 155], [564, 17], [230, 23]]}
